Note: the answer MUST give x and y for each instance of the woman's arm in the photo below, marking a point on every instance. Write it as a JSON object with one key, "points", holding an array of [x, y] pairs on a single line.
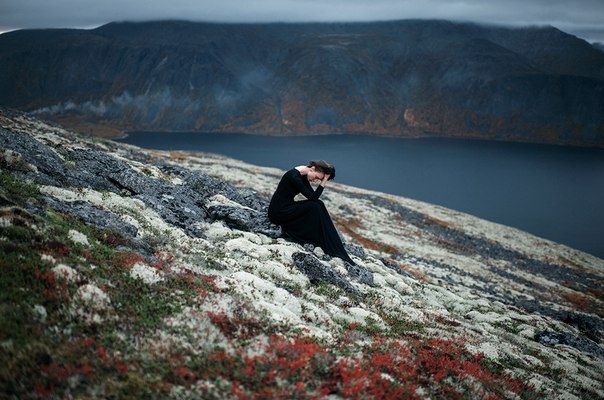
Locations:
{"points": [[303, 186], [325, 179]]}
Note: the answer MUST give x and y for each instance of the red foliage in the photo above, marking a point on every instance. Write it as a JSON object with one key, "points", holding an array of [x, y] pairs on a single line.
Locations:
{"points": [[126, 259], [182, 375], [112, 239], [81, 357], [43, 391], [299, 367], [210, 282], [384, 371], [163, 259], [443, 368], [288, 368], [584, 302], [54, 288], [243, 328], [56, 248]]}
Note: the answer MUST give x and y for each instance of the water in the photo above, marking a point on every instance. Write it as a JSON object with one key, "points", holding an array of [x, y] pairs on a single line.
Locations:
{"points": [[554, 192]]}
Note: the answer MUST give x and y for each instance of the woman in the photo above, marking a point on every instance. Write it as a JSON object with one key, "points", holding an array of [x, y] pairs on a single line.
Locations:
{"points": [[307, 221]]}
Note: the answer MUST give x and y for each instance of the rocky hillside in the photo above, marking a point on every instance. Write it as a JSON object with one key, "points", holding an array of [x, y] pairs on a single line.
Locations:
{"points": [[398, 78], [129, 273]]}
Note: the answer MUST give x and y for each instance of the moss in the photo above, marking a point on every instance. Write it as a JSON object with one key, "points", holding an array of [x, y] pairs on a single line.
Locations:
{"points": [[16, 234], [329, 291], [16, 190], [143, 306], [400, 326]]}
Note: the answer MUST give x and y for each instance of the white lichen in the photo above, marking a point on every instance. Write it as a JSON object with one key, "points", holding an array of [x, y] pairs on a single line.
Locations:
{"points": [[146, 273]]}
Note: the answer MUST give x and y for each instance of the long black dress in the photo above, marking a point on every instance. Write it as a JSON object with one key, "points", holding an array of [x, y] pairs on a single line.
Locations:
{"points": [[305, 221]]}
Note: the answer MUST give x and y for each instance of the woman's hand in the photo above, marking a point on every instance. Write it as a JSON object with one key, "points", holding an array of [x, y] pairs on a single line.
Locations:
{"points": [[325, 179]]}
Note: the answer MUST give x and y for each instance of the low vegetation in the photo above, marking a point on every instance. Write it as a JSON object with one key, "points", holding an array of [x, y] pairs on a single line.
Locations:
{"points": [[93, 312]]}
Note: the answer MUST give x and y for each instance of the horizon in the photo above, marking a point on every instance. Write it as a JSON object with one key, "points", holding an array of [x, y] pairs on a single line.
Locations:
{"points": [[599, 40], [582, 18]]}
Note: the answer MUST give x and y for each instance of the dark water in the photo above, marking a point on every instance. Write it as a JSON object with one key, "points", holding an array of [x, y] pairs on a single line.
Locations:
{"points": [[551, 191]]}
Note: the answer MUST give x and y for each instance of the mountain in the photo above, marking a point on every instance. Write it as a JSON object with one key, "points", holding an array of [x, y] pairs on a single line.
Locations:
{"points": [[130, 273], [408, 78]]}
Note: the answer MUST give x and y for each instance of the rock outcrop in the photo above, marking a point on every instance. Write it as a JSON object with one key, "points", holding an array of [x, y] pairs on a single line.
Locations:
{"points": [[129, 272]]}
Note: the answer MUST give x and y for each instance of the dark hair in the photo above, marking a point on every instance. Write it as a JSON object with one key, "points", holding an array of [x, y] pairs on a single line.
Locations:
{"points": [[324, 167]]}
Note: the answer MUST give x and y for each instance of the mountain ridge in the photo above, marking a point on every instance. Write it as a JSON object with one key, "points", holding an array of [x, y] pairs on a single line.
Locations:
{"points": [[409, 78]]}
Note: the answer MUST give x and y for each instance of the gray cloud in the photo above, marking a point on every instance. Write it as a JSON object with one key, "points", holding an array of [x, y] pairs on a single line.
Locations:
{"points": [[580, 17]]}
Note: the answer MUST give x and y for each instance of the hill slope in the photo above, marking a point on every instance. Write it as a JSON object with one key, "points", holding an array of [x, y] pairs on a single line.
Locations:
{"points": [[134, 273], [397, 78]]}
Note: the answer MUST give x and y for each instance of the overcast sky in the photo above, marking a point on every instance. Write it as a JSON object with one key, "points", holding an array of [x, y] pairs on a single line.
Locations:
{"points": [[583, 18]]}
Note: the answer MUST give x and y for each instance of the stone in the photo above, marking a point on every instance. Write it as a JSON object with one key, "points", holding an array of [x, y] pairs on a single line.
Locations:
{"points": [[245, 219], [359, 273], [316, 271]]}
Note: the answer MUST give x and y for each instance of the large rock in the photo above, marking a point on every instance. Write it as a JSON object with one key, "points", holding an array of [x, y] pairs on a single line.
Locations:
{"points": [[319, 272]]}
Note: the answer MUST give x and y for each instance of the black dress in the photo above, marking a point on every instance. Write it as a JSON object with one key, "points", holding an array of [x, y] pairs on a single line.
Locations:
{"points": [[305, 221]]}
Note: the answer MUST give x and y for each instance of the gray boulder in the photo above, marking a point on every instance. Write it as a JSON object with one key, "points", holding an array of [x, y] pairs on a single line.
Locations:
{"points": [[318, 272]]}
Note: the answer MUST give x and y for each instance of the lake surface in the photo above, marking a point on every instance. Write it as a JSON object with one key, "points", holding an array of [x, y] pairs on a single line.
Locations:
{"points": [[554, 192]]}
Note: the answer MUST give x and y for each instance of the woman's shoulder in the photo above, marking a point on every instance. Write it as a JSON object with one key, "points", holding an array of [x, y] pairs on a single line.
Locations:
{"points": [[294, 171], [292, 175]]}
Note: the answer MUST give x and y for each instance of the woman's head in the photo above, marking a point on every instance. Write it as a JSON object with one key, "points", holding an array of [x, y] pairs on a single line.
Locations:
{"points": [[323, 166]]}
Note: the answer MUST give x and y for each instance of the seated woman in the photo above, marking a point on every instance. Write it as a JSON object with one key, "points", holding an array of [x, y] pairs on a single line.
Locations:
{"points": [[307, 221]]}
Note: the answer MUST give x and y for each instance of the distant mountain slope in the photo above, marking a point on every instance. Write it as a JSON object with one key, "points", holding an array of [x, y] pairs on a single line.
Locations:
{"points": [[402, 78]]}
